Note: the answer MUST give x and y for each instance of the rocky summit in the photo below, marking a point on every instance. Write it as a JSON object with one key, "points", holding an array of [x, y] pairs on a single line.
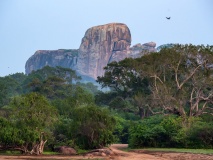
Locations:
{"points": [[100, 46]]}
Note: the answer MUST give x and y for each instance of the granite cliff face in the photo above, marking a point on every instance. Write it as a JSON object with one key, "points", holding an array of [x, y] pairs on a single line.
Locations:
{"points": [[100, 46], [66, 58]]}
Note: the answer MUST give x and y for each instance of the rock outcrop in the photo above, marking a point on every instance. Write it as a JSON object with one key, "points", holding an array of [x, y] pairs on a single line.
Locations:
{"points": [[63, 57], [100, 46], [65, 150], [139, 50]]}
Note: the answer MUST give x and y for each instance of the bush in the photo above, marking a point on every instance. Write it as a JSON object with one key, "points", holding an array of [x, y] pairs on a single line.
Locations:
{"points": [[146, 133], [171, 131], [122, 130], [200, 135], [92, 127]]}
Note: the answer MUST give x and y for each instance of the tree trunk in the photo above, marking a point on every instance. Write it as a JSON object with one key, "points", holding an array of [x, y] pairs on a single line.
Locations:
{"points": [[141, 112], [38, 148]]}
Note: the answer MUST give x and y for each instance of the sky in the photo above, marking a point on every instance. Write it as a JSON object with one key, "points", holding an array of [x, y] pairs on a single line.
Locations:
{"points": [[30, 25]]}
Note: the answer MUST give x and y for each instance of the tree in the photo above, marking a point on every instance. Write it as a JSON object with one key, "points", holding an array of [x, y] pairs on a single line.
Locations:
{"points": [[65, 73], [31, 117], [10, 86], [48, 76], [125, 83], [52, 87], [78, 97], [176, 80], [122, 77], [3, 94], [64, 132], [141, 101], [180, 79]]}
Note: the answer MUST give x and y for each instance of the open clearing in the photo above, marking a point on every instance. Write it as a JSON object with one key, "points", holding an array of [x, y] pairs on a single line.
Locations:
{"points": [[120, 155]]}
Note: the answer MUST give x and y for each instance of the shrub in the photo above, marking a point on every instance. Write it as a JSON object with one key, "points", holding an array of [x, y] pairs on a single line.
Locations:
{"points": [[146, 133], [92, 127], [200, 135]]}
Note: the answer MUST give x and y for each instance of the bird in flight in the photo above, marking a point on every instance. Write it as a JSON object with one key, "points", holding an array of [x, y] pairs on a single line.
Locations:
{"points": [[168, 18]]}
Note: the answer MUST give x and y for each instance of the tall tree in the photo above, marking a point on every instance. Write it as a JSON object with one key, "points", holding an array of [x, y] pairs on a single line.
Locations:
{"points": [[180, 78], [122, 77]]}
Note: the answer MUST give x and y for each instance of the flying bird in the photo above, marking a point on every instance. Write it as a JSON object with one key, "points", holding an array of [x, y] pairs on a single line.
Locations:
{"points": [[168, 18]]}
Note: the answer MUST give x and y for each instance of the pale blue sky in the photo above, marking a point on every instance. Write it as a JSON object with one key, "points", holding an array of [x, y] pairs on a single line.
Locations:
{"points": [[30, 25]]}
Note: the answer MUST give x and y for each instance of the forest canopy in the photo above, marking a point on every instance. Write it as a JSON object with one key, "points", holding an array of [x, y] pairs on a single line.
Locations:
{"points": [[162, 99]]}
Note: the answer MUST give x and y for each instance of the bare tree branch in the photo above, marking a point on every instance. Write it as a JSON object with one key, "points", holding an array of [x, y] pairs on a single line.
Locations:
{"points": [[192, 73]]}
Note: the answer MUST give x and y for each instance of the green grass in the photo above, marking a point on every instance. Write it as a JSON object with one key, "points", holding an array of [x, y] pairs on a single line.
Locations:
{"points": [[50, 153], [198, 151], [10, 153], [82, 151]]}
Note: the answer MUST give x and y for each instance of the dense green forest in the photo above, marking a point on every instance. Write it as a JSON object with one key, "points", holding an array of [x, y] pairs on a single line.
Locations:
{"points": [[163, 99]]}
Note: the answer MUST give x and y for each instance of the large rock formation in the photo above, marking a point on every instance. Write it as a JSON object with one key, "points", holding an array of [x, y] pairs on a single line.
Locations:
{"points": [[66, 58], [100, 45]]}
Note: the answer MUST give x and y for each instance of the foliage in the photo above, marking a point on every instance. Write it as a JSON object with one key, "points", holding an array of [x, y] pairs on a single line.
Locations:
{"points": [[134, 105], [162, 99], [104, 98], [92, 127], [29, 123], [52, 87], [77, 97], [144, 133], [121, 131], [82, 123], [121, 77], [64, 73], [176, 80], [201, 135], [9, 134], [3, 94], [171, 131], [48, 81], [32, 109], [179, 79], [10, 86], [88, 127]]}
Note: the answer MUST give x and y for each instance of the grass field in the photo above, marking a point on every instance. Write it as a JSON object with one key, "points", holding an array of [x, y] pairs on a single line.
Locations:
{"points": [[198, 151]]}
